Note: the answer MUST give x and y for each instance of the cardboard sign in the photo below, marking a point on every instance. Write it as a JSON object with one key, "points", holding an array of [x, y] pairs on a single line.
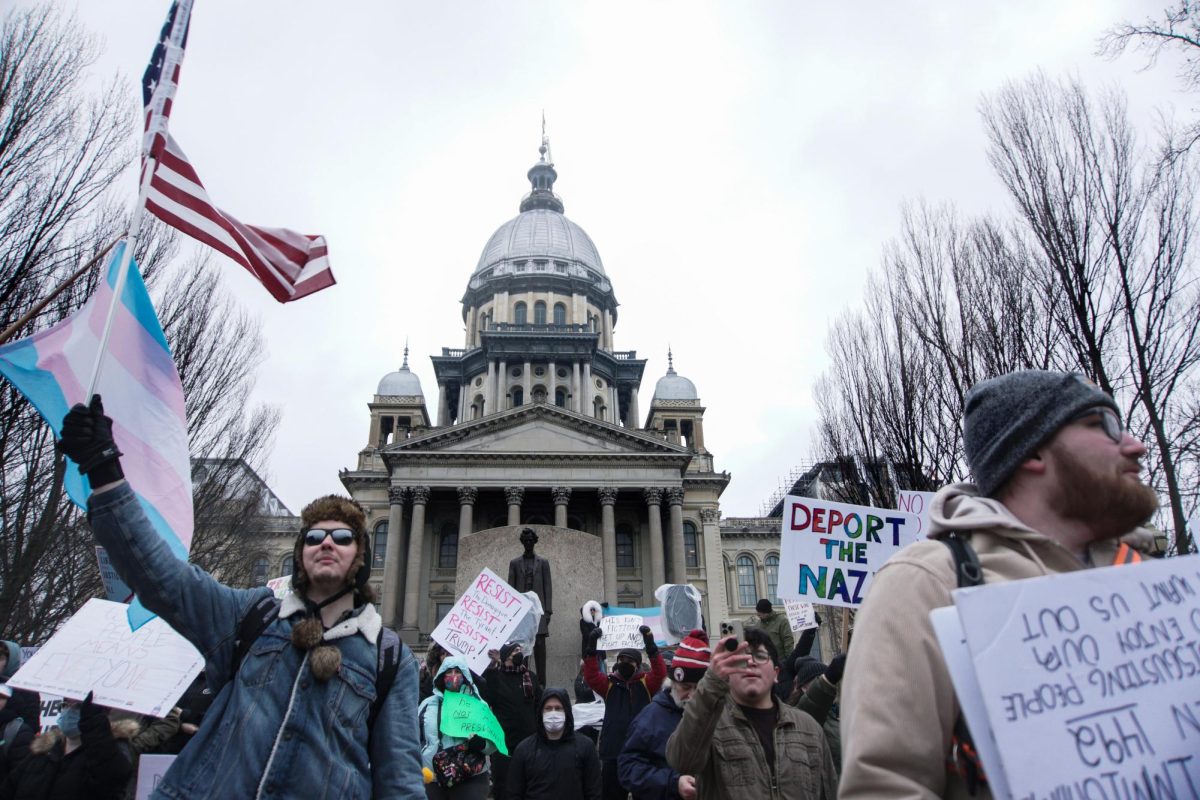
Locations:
{"points": [[1091, 679], [145, 670], [830, 550], [481, 619], [801, 616], [151, 769], [916, 503], [621, 632], [464, 715]]}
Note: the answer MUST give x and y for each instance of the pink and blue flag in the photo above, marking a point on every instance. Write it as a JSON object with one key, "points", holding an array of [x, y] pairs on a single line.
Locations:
{"points": [[142, 393]]}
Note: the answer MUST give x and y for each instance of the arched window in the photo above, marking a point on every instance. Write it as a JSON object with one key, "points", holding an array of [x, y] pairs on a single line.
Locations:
{"points": [[518, 397], [448, 548], [539, 313], [560, 314], [560, 398], [381, 534], [625, 550], [598, 408], [747, 591], [691, 548], [519, 314], [285, 565], [772, 563], [258, 572]]}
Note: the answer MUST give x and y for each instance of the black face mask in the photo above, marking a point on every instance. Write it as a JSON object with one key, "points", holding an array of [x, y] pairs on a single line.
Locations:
{"points": [[624, 670], [518, 659]]}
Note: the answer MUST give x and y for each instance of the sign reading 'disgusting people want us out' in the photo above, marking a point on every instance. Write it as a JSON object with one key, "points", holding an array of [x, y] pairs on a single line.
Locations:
{"points": [[830, 550], [1091, 680]]}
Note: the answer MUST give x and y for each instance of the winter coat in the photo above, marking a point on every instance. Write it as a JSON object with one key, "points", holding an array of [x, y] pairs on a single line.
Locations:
{"points": [[15, 750], [817, 701], [717, 744], [148, 738], [546, 769], [96, 770], [505, 694], [27, 704], [898, 730], [272, 729], [642, 766], [429, 713], [777, 627], [622, 699]]}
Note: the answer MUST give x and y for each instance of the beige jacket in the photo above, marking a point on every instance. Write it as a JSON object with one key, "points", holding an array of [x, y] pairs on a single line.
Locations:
{"points": [[898, 705], [718, 745]]}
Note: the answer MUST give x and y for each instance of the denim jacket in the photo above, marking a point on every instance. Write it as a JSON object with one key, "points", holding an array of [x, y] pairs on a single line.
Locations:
{"points": [[273, 731]]}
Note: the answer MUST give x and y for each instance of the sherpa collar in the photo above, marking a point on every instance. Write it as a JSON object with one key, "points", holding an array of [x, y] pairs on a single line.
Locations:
{"points": [[364, 619]]}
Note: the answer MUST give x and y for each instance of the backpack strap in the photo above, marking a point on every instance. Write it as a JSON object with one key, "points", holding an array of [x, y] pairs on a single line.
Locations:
{"points": [[389, 648], [964, 758], [254, 622]]}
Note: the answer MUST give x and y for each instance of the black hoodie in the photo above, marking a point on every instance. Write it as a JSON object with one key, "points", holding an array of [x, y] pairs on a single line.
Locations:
{"points": [[554, 769]]}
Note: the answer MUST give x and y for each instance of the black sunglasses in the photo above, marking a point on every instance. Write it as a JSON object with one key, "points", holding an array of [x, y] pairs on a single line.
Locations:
{"points": [[315, 536], [1109, 421]]}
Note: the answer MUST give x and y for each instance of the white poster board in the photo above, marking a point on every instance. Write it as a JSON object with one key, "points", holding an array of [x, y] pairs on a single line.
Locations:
{"points": [[831, 550], [916, 503], [117, 590], [801, 616], [145, 670], [151, 769], [481, 619], [620, 632], [1091, 679], [48, 712]]}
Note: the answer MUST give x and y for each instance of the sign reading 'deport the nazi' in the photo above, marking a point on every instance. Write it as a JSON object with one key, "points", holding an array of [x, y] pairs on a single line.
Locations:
{"points": [[481, 619], [830, 550]]}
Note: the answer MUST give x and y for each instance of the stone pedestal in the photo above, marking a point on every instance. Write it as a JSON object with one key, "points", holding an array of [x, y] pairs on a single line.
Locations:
{"points": [[576, 575]]}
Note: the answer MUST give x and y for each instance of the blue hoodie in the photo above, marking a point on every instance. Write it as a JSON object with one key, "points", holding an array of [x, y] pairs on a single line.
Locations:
{"points": [[433, 740]]}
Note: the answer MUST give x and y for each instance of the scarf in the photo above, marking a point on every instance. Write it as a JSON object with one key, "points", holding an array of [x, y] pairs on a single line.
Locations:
{"points": [[526, 678]]}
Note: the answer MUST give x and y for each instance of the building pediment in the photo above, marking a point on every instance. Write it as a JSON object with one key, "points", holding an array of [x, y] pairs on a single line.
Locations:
{"points": [[536, 430]]}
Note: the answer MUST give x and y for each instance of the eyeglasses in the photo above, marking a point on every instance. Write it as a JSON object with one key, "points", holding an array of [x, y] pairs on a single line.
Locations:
{"points": [[315, 536], [1109, 421], [761, 656]]}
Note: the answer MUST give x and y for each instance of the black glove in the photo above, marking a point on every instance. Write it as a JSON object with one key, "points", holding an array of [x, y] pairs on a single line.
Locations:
{"points": [[87, 440], [476, 744], [648, 638], [833, 673], [590, 641]]}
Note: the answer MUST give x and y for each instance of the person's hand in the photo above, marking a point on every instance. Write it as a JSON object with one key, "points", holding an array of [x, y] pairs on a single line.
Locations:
{"points": [[724, 662], [833, 673], [87, 439], [591, 640], [89, 710], [189, 728], [494, 655], [687, 787], [648, 639], [476, 744]]}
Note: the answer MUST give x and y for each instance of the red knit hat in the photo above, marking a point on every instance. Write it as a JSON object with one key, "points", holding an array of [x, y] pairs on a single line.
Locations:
{"points": [[691, 658]]}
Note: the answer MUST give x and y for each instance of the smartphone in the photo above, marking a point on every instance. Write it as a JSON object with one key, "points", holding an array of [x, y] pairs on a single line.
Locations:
{"points": [[733, 627]]}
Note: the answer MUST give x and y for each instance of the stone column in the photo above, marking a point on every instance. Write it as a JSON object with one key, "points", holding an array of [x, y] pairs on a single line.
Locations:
{"points": [[562, 496], [552, 384], [608, 532], [658, 574], [632, 414], [467, 495], [715, 597], [390, 601], [513, 495], [443, 411], [489, 389], [527, 383], [416, 540], [615, 405], [576, 393], [585, 398], [501, 385], [678, 560]]}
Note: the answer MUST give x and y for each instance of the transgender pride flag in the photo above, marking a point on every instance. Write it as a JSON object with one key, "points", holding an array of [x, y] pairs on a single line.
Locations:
{"points": [[141, 391]]}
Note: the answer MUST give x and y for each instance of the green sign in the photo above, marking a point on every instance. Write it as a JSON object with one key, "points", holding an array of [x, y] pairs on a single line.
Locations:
{"points": [[463, 715]]}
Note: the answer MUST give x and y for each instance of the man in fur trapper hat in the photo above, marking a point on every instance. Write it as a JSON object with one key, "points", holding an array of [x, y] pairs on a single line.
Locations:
{"points": [[314, 698]]}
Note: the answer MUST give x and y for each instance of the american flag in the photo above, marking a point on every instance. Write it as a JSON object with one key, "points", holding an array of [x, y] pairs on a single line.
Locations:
{"points": [[291, 265]]}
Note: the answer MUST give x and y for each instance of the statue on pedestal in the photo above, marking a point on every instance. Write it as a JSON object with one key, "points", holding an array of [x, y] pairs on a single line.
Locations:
{"points": [[530, 572]]}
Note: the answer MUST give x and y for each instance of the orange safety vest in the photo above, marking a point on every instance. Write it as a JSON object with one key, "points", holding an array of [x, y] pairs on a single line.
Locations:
{"points": [[1126, 555]]}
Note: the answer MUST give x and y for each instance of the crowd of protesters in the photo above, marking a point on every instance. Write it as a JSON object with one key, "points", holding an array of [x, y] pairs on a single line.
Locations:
{"points": [[310, 696]]}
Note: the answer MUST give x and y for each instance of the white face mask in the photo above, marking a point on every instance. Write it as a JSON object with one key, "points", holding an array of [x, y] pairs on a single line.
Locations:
{"points": [[555, 721]]}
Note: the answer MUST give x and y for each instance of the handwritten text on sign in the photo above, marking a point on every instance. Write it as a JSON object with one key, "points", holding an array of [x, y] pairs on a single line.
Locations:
{"points": [[1092, 679], [481, 619], [620, 632], [145, 670], [801, 616], [831, 550]]}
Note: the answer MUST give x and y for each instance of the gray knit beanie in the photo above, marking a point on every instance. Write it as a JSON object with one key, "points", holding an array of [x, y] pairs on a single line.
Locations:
{"points": [[1007, 418]]}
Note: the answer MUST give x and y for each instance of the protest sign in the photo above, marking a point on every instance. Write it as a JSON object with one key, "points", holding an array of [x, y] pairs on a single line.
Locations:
{"points": [[830, 550], [1091, 679], [913, 502], [801, 616], [620, 632], [281, 587], [51, 707], [464, 715], [145, 670], [481, 619], [117, 590], [151, 768], [947, 625]]}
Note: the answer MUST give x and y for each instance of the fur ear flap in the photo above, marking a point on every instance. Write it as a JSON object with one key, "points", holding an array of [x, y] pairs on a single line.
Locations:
{"points": [[325, 661], [307, 634]]}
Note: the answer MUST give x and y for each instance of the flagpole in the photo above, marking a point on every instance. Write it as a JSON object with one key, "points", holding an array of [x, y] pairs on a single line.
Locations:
{"points": [[135, 227], [12, 330]]}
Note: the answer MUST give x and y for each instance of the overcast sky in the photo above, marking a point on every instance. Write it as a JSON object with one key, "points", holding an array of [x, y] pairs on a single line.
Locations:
{"points": [[739, 165]]}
